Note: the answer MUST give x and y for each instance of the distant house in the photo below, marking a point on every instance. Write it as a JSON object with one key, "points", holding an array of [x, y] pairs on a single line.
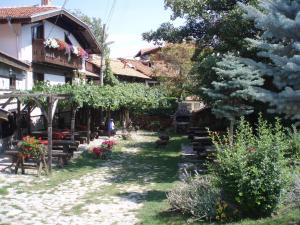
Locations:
{"points": [[122, 69], [53, 41]]}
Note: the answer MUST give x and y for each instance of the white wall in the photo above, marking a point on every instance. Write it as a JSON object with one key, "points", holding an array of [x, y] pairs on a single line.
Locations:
{"points": [[53, 31], [54, 79], [26, 43], [29, 81], [9, 40], [4, 83]]}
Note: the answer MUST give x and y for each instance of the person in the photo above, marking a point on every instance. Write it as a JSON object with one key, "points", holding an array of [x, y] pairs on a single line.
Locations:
{"points": [[111, 127]]}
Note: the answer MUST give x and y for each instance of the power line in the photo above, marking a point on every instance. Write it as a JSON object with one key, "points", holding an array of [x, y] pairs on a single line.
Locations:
{"points": [[111, 12]]}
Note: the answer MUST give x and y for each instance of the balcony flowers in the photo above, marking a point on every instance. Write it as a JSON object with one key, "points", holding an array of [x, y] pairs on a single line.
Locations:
{"points": [[51, 43], [63, 46], [30, 147]]}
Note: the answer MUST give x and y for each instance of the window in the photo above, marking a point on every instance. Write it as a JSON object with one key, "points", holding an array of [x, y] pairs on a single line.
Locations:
{"points": [[37, 32], [38, 77], [68, 80]]}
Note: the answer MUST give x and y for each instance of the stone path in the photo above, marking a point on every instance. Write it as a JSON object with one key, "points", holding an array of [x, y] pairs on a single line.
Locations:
{"points": [[94, 198]]}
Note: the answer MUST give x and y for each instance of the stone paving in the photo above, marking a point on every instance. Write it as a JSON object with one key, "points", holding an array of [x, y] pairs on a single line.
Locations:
{"points": [[91, 199]]}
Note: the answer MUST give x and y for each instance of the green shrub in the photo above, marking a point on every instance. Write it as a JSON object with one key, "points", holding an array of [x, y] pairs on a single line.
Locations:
{"points": [[196, 196], [293, 152], [252, 171]]}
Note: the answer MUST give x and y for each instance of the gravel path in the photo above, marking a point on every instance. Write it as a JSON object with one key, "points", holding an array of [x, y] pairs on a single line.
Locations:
{"points": [[90, 199]]}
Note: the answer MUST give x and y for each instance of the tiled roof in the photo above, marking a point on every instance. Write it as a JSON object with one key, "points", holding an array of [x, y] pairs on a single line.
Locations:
{"points": [[139, 66], [123, 69], [24, 11], [147, 51]]}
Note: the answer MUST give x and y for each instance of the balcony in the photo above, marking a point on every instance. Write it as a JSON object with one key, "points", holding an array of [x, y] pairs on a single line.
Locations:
{"points": [[41, 54]]}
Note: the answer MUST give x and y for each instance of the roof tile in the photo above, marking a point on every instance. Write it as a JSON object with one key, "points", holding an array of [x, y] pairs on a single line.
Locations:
{"points": [[23, 11]]}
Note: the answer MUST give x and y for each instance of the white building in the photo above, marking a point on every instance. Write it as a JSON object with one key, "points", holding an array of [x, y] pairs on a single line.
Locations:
{"points": [[41, 43], [24, 30]]}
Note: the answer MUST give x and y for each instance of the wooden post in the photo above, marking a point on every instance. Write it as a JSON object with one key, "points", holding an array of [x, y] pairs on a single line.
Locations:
{"points": [[88, 125], [73, 117], [50, 140], [29, 120], [19, 133]]}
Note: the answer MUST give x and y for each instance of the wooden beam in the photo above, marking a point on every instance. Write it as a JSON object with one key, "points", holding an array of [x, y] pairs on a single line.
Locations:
{"points": [[38, 95], [7, 102], [54, 108], [38, 103], [19, 133], [73, 118], [28, 119]]}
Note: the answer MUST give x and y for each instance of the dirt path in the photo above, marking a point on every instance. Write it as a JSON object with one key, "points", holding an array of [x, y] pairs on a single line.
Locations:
{"points": [[94, 198]]}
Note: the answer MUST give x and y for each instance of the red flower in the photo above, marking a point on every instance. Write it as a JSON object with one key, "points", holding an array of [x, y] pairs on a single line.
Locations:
{"points": [[97, 151]]}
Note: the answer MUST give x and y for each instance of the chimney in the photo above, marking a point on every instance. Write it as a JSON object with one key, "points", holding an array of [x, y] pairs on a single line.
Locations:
{"points": [[46, 2]]}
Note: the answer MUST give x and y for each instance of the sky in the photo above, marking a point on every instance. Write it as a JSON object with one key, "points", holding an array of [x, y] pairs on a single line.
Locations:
{"points": [[129, 20]]}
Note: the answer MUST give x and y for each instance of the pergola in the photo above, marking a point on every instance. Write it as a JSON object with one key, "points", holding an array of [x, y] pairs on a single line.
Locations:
{"points": [[48, 111]]}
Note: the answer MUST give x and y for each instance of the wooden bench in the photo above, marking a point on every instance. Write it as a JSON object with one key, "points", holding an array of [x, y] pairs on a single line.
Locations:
{"points": [[62, 157]]}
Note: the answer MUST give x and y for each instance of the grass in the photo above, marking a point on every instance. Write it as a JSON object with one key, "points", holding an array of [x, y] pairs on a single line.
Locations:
{"points": [[3, 191]]}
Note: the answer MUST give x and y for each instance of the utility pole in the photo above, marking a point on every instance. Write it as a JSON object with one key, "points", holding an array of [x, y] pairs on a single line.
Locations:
{"points": [[102, 45]]}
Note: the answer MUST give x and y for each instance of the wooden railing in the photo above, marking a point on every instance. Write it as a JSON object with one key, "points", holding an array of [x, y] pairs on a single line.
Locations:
{"points": [[41, 54]]}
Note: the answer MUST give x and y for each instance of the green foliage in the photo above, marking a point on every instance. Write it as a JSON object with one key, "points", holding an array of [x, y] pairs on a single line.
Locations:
{"points": [[196, 196], [177, 64], [293, 152], [252, 171], [278, 46], [133, 96], [109, 77], [231, 93]]}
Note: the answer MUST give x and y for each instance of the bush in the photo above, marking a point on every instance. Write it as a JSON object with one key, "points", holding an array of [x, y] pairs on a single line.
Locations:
{"points": [[252, 171], [196, 196], [293, 152]]}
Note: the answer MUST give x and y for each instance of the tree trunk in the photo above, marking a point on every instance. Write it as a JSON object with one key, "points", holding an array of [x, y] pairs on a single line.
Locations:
{"points": [[108, 121], [88, 126], [123, 120], [29, 120], [127, 119], [19, 132], [73, 118]]}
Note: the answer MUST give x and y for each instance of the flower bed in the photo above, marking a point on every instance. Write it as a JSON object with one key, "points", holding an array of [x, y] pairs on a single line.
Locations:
{"points": [[30, 147], [104, 150]]}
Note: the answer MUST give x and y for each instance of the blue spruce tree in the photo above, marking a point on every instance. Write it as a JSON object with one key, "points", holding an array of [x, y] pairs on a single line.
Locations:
{"points": [[232, 94], [278, 48]]}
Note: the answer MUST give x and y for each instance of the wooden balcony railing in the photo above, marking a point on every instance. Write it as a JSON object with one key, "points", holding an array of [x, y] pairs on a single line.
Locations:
{"points": [[41, 54]]}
